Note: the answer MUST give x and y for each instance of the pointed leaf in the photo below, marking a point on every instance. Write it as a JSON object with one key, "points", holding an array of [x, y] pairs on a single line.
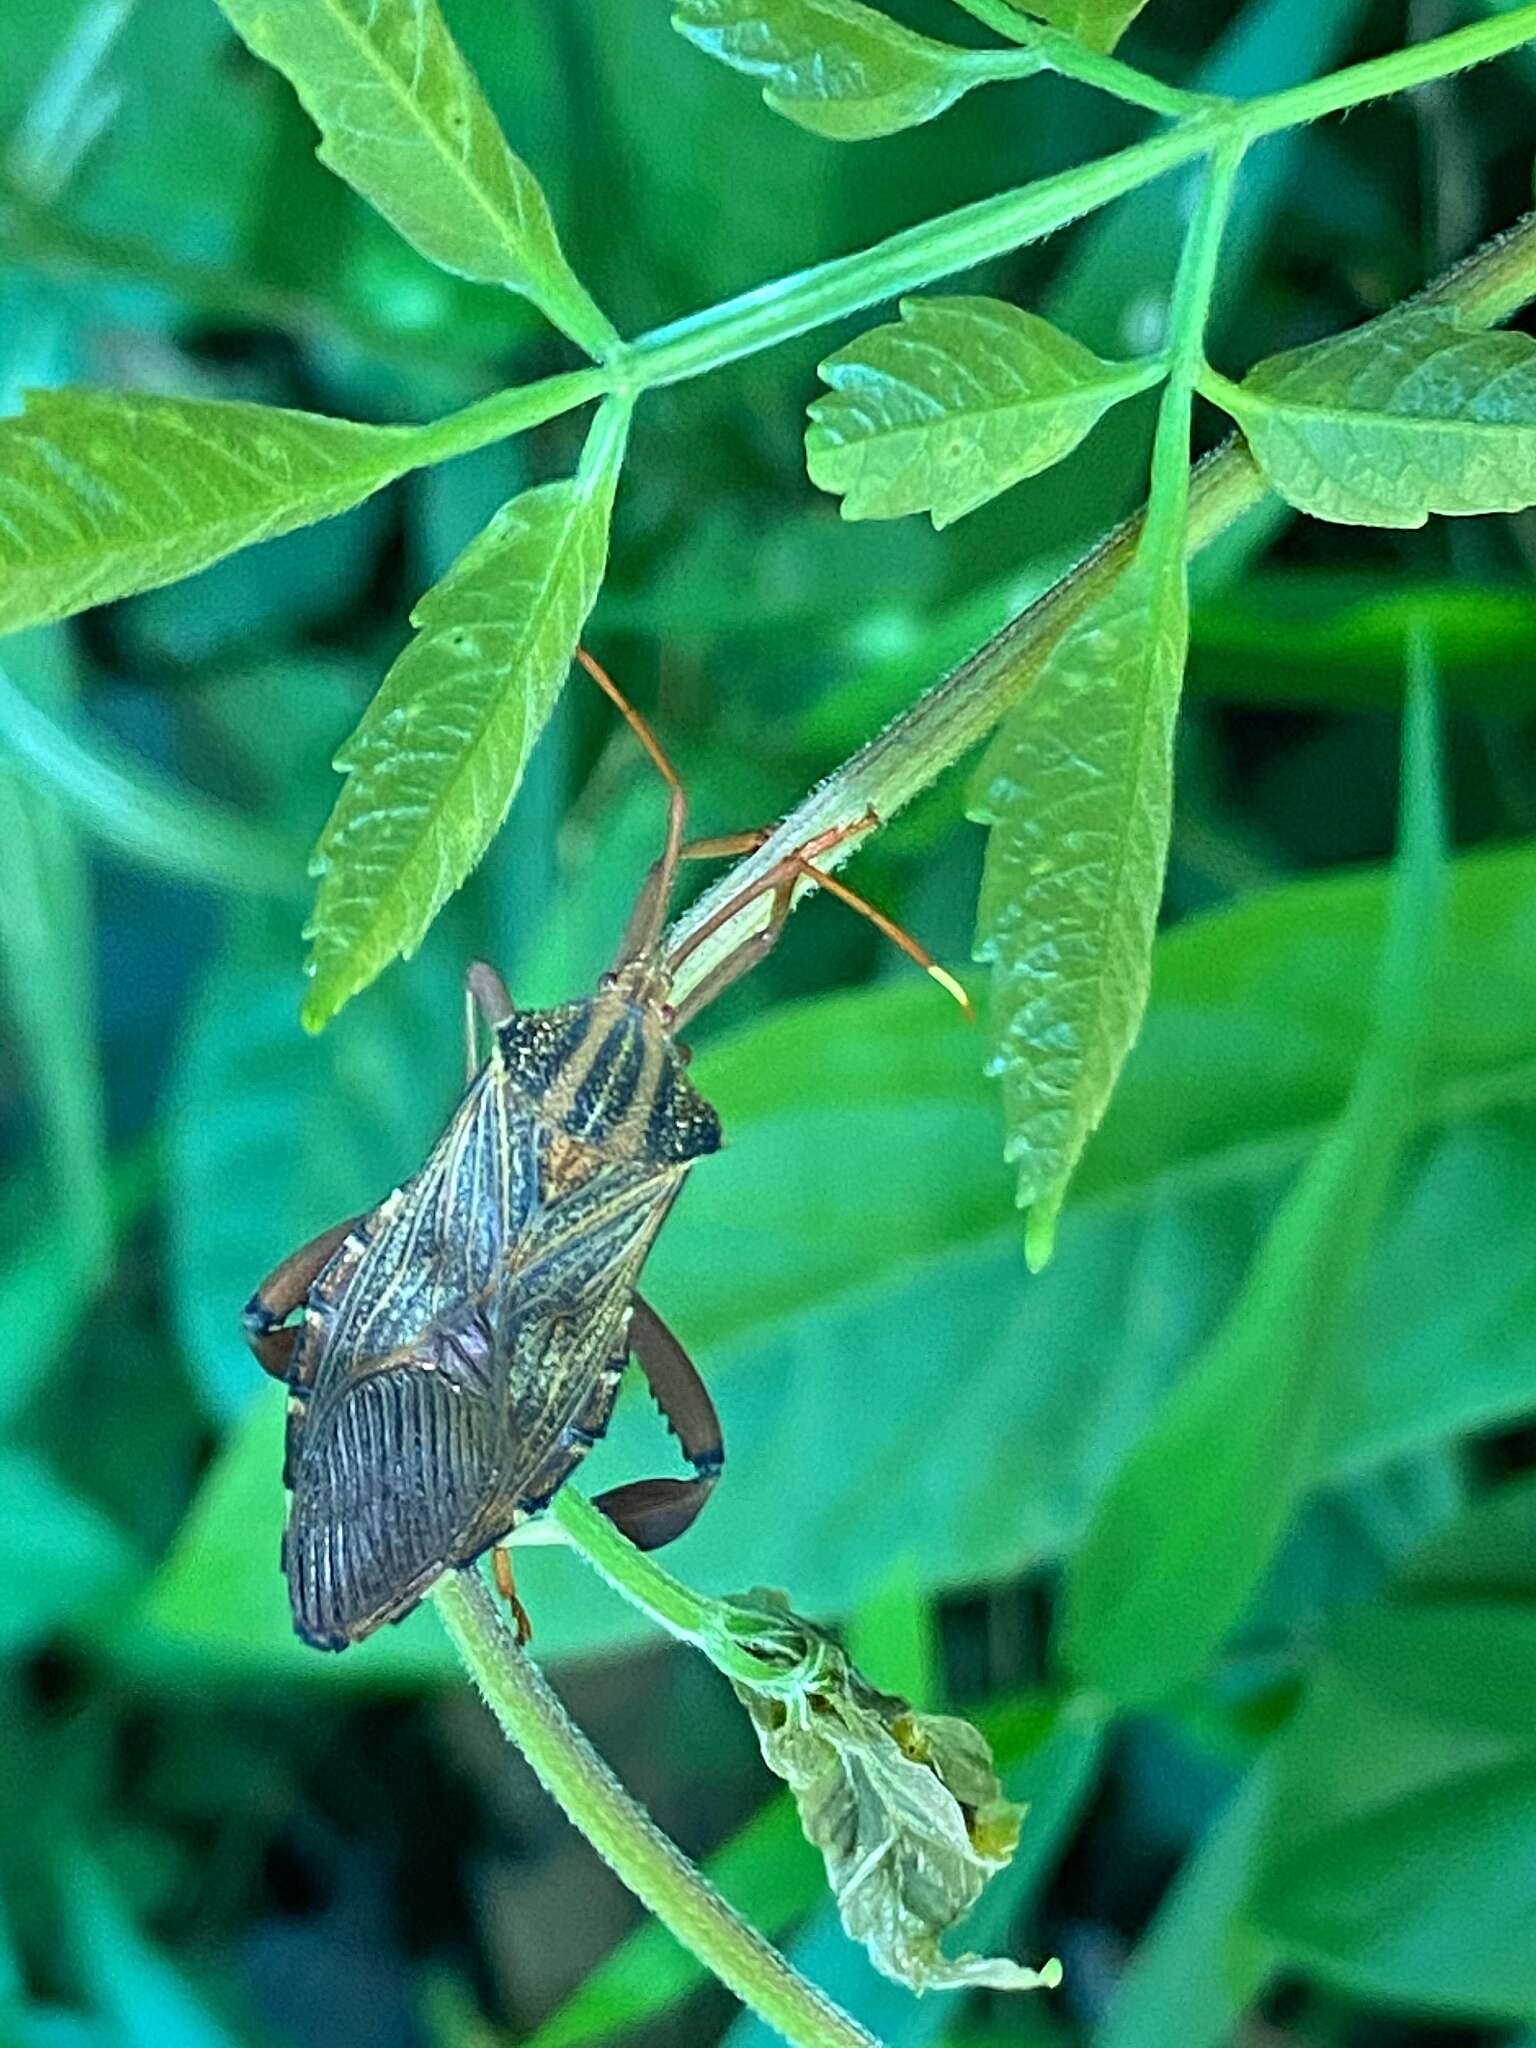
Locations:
{"points": [[952, 404], [103, 493], [1381, 427], [403, 120], [1098, 23], [1078, 788], [837, 67], [1194, 1518], [440, 752]]}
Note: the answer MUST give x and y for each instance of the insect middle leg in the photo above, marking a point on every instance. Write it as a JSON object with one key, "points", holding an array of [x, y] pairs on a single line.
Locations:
{"points": [[284, 1288], [506, 1586], [651, 1512]]}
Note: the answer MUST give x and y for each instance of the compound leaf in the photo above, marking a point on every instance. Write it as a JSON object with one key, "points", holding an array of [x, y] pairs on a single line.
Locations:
{"points": [[1078, 788], [438, 757], [836, 67], [1193, 1519], [954, 403], [403, 119], [104, 493], [1411, 415]]}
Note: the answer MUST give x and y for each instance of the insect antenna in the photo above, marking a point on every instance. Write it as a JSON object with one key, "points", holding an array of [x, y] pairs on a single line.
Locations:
{"points": [[897, 934], [651, 910], [779, 882]]}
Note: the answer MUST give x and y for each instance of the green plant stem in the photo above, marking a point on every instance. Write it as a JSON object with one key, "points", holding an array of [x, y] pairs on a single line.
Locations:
{"points": [[1381, 77], [942, 726], [693, 1618], [1168, 497], [654, 1869], [1070, 58]]}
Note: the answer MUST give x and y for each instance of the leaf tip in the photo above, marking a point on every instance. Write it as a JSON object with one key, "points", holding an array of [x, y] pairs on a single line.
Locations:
{"points": [[1040, 1231]]}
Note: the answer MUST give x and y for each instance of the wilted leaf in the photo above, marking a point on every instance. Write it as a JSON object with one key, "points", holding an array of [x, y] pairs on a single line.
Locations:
{"points": [[837, 67], [1194, 1518], [1078, 790], [1380, 427], [441, 750], [103, 493], [905, 1807], [403, 120], [951, 405]]}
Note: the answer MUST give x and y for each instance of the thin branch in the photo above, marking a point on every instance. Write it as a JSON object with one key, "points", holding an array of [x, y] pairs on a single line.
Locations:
{"points": [[624, 1835]]}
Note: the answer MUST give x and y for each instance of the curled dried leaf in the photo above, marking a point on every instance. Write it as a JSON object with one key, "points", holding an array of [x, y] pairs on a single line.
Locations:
{"points": [[905, 1807]]}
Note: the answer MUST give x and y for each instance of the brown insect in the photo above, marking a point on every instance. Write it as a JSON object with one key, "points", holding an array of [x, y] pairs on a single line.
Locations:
{"points": [[460, 1346]]}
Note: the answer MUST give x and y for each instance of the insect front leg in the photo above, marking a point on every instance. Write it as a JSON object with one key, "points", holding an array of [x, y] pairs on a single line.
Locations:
{"points": [[651, 1512], [485, 991], [284, 1288]]}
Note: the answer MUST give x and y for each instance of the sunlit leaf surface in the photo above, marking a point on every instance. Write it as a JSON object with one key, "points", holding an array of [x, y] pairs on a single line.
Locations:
{"points": [[439, 755], [952, 404], [402, 118], [1392, 422], [103, 493], [835, 66]]}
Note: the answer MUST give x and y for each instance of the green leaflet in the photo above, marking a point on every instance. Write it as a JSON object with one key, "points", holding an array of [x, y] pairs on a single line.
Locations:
{"points": [[1396, 1854], [441, 749], [1098, 23], [957, 401], [1078, 788], [103, 493], [1193, 1519], [403, 120], [136, 1988], [839, 68], [1411, 415]]}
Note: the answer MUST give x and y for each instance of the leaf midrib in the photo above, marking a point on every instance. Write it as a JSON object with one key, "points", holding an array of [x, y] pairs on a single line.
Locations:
{"points": [[1057, 401], [400, 92]]}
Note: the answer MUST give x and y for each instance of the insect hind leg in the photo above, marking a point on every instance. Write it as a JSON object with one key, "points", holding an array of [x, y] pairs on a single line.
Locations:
{"points": [[283, 1290], [652, 1512]]}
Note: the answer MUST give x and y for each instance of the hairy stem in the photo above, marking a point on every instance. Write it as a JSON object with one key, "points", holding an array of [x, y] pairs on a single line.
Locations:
{"points": [[623, 1833], [693, 1618], [958, 712]]}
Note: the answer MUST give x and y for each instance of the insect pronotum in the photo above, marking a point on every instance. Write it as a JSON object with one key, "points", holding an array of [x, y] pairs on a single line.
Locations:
{"points": [[460, 1345]]}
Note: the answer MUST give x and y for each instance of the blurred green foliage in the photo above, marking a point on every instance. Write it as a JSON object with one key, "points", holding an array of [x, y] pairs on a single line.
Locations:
{"points": [[209, 1834]]}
